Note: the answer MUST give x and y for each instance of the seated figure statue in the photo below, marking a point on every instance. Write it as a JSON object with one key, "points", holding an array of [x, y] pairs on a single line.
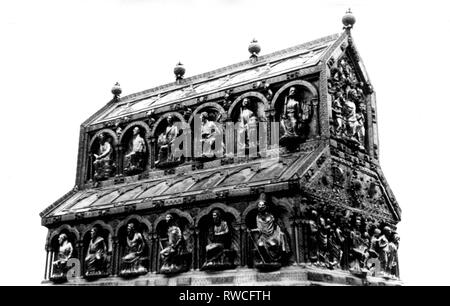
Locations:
{"points": [[219, 255], [65, 252], [102, 162], [132, 261], [96, 259], [173, 255], [272, 246], [135, 159]]}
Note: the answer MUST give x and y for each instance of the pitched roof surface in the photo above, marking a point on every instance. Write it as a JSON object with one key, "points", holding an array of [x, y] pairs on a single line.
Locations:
{"points": [[298, 57], [257, 173]]}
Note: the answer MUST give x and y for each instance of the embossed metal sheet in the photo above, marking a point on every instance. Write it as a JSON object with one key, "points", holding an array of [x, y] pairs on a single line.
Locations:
{"points": [[195, 183], [301, 59]]}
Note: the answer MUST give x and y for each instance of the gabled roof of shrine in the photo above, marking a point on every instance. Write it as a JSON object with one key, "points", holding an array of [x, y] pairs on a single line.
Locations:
{"points": [[233, 180], [298, 57]]}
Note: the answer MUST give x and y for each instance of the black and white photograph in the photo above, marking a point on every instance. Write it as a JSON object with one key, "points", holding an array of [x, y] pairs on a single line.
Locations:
{"points": [[224, 143]]}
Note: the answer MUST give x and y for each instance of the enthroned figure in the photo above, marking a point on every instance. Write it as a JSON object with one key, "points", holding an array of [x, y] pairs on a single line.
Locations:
{"points": [[96, 258], [174, 253], [135, 158], [134, 251], [272, 246], [102, 160], [165, 141], [219, 255], [65, 252]]}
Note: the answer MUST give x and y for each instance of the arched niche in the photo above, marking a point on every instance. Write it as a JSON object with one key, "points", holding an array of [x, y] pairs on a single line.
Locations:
{"points": [[168, 133], [282, 214], [102, 155], [64, 228], [211, 107], [295, 110], [60, 262], [99, 268], [208, 131], [133, 235], [247, 113], [259, 104], [185, 223], [230, 254], [135, 147]]}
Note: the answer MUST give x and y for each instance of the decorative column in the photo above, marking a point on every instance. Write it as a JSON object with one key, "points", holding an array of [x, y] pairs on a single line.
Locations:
{"points": [[46, 276], [153, 253], [80, 251], [149, 249], [115, 256], [230, 144], [91, 168], [195, 255], [156, 256], [303, 234], [238, 258], [50, 261], [314, 125], [243, 245], [152, 151], [295, 241], [119, 154], [149, 140]]}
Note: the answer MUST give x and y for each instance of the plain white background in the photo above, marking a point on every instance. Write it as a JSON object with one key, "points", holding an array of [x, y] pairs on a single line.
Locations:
{"points": [[59, 60]]}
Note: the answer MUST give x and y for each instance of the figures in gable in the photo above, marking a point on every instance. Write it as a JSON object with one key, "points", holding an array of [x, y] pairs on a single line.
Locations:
{"points": [[347, 104]]}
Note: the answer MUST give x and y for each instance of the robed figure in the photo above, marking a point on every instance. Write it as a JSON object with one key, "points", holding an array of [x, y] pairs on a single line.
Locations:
{"points": [[135, 158], [132, 261], [295, 115], [271, 245], [247, 134], [218, 250], [96, 258], [172, 256], [211, 137], [165, 141], [102, 159], [65, 252]]}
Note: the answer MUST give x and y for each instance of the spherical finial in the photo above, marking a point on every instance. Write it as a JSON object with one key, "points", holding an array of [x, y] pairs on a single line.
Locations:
{"points": [[348, 20], [116, 90], [254, 48], [179, 71]]}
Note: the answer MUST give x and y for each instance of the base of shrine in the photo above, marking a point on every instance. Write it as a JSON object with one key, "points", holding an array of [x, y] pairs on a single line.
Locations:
{"points": [[297, 275]]}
